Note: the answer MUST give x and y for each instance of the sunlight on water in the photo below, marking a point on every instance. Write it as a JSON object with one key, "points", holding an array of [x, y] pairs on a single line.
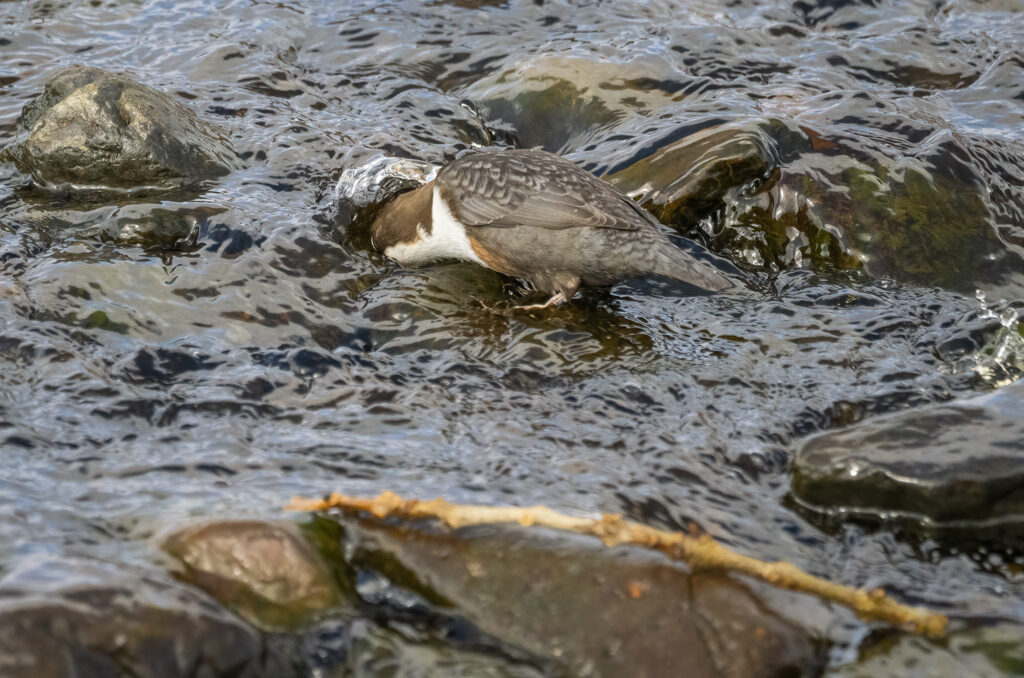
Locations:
{"points": [[1001, 361]]}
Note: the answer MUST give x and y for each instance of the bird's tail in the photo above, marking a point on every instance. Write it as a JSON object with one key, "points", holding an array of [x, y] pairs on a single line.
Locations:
{"points": [[673, 262]]}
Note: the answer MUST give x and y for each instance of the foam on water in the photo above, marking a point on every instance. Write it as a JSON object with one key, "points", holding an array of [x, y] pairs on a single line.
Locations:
{"points": [[1001, 361], [372, 181]]}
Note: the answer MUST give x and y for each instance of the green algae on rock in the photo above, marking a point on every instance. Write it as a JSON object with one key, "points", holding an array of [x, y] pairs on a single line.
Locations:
{"points": [[94, 130], [919, 224]]}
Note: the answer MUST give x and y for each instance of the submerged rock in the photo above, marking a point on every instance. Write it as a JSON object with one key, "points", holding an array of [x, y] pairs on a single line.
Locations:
{"points": [[555, 101], [958, 461], [63, 618], [266, 571], [91, 129], [989, 651], [686, 180], [165, 228], [776, 196], [729, 179], [595, 611], [923, 219]]}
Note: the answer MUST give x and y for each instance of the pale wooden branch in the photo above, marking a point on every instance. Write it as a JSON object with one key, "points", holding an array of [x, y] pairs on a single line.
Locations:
{"points": [[700, 552]]}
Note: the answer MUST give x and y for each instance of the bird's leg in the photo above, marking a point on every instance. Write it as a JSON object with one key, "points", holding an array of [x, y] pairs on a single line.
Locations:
{"points": [[564, 293], [555, 300]]}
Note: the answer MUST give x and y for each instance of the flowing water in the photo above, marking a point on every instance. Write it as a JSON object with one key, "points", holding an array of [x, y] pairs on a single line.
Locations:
{"points": [[217, 352]]}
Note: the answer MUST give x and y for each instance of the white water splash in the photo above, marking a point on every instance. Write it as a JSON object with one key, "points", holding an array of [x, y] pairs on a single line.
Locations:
{"points": [[374, 180], [1001, 361]]}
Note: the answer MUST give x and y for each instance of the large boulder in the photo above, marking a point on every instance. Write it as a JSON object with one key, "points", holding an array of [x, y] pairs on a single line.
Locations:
{"points": [[774, 195], [948, 462], [922, 218], [266, 571], [94, 129], [594, 611], [87, 618]]}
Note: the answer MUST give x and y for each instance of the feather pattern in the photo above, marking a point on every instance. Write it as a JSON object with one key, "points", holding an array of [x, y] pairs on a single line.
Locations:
{"points": [[534, 188]]}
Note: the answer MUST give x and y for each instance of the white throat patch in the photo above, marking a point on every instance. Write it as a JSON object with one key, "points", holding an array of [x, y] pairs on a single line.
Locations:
{"points": [[447, 240]]}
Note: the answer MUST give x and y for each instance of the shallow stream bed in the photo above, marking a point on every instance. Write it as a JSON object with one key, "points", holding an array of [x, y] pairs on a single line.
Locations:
{"points": [[214, 352]]}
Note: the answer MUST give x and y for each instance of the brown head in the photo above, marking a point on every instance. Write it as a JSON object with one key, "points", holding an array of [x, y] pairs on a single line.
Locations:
{"points": [[403, 219]]}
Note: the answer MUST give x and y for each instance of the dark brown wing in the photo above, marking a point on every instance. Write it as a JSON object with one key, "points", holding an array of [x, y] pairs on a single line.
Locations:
{"points": [[534, 188]]}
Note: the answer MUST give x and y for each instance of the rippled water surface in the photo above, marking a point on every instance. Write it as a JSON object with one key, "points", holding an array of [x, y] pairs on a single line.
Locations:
{"points": [[217, 352]]}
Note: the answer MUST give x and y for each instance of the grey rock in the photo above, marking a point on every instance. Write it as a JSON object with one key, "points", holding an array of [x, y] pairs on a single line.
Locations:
{"points": [[593, 610], [86, 618], [91, 129], [959, 461]]}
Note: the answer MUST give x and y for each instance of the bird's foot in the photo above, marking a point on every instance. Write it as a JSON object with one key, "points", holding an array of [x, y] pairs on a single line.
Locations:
{"points": [[555, 300], [497, 309]]}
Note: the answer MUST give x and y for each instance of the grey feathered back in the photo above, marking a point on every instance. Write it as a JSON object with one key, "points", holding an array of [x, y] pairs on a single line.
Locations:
{"points": [[534, 188]]}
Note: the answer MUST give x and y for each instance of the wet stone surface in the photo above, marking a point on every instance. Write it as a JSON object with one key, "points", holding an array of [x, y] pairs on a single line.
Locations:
{"points": [[90, 129], [952, 462], [265, 571], [80, 617], [686, 180], [574, 604], [986, 651], [211, 351]]}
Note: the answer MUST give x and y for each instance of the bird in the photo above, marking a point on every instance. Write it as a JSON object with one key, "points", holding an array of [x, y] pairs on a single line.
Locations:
{"points": [[535, 216]]}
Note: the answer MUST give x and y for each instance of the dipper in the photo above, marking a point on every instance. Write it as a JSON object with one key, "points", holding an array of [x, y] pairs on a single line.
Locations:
{"points": [[534, 216]]}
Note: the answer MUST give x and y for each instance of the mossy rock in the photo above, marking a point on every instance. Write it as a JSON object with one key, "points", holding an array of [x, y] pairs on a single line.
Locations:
{"points": [[806, 203], [922, 226]]}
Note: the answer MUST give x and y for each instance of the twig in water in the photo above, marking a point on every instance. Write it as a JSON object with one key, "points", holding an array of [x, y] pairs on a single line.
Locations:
{"points": [[700, 552]]}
